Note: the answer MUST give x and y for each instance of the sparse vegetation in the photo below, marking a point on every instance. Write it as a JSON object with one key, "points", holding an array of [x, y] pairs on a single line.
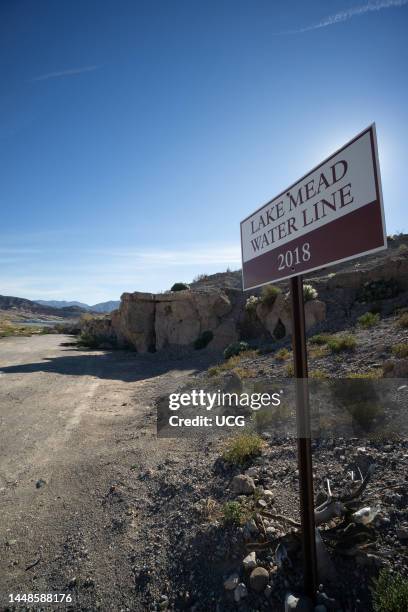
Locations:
{"points": [[7, 329], [403, 321], [400, 350], [234, 364], [235, 349], [343, 342], [269, 294], [390, 592], [309, 293], [282, 354], [180, 287], [233, 513], [319, 339], [203, 339], [290, 370], [242, 447], [368, 319], [318, 374], [87, 340], [367, 375], [251, 304]]}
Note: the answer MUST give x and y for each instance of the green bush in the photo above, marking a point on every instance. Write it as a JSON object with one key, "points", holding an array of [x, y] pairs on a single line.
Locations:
{"points": [[203, 339], [233, 513], [319, 339], [235, 349], [241, 448], [369, 319], [390, 592], [269, 294], [373, 291], [344, 342], [87, 340], [309, 293], [403, 321], [180, 287], [400, 350]]}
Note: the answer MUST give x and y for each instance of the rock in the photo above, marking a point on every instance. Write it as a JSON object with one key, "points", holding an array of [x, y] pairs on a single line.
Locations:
{"points": [[268, 495], [280, 312], [402, 533], [258, 579], [297, 603], [242, 485], [231, 582], [262, 503], [72, 582], [164, 602], [249, 562], [240, 592], [40, 483], [268, 591], [252, 527]]}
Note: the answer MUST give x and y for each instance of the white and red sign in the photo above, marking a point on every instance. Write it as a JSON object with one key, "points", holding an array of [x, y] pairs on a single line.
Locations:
{"points": [[332, 214]]}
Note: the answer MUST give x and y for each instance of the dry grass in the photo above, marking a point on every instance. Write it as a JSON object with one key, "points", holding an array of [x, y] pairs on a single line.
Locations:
{"points": [[234, 364], [400, 350], [282, 355], [403, 321], [242, 447]]}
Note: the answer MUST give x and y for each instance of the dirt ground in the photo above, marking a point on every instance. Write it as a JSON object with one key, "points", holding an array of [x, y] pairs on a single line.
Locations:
{"points": [[77, 437]]}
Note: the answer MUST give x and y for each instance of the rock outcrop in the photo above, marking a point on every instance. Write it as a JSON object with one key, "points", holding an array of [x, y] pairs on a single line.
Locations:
{"points": [[280, 314]]}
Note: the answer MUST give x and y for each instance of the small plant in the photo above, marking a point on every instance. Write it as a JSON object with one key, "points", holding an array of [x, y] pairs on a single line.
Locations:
{"points": [[180, 287], [243, 447], [369, 319], [344, 342], [200, 277], [282, 354], [318, 374], [251, 304], [400, 350], [309, 293], [319, 339], [390, 592], [203, 339], [403, 321], [290, 370], [368, 375], [269, 294], [235, 349], [233, 513], [87, 340]]}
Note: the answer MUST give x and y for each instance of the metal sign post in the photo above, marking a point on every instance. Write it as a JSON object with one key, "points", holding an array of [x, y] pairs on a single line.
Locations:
{"points": [[303, 436]]}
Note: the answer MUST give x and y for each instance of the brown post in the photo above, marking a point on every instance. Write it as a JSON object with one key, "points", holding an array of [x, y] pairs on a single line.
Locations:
{"points": [[304, 438]]}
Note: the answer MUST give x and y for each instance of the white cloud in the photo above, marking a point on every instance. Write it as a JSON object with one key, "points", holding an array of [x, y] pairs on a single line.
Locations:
{"points": [[64, 73], [349, 14]]}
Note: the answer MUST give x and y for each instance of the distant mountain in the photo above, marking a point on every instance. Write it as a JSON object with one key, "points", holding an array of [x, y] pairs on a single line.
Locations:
{"points": [[21, 305], [105, 306], [62, 304], [101, 307]]}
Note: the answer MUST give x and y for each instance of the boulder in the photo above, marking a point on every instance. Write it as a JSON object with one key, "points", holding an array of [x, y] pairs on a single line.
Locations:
{"points": [[259, 579], [242, 485], [281, 312], [133, 322]]}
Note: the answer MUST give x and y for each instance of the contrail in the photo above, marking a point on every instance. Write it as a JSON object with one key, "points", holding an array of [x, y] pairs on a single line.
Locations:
{"points": [[63, 73], [349, 14]]}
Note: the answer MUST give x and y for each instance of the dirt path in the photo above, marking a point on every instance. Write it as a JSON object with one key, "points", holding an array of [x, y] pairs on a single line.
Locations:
{"points": [[83, 422]]}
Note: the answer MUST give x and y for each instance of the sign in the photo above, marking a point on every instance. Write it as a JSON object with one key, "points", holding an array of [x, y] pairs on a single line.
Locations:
{"points": [[333, 214]]}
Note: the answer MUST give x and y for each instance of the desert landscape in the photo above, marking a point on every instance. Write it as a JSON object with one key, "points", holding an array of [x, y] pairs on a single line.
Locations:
{"points": [[97, 506]]}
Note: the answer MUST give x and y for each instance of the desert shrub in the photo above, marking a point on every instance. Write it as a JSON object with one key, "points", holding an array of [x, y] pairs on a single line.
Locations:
{"points": [[87, 340], [344, 342], [319, 339], [233, 513], [200, 277], [403, 248], [367, 375], [400, 350], [180, 287], [318, 374], [309, 293], [368, 319], [290, 370], [390, 592], [282, 354], [269, 294], [203, 339], [251, 304], [241, 448], [235, 349], [403, 321], [372, 291]]}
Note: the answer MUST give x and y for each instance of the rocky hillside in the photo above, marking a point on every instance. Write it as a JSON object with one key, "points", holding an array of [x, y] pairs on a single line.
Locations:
{"points": [[21, 305], [213, 314]]}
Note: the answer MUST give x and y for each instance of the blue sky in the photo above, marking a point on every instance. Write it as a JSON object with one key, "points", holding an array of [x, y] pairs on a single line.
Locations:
{"points": [[135, 135]]}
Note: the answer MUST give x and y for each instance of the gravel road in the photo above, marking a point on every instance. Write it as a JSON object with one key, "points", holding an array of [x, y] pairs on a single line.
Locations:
{"points": [[77, 429]]}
